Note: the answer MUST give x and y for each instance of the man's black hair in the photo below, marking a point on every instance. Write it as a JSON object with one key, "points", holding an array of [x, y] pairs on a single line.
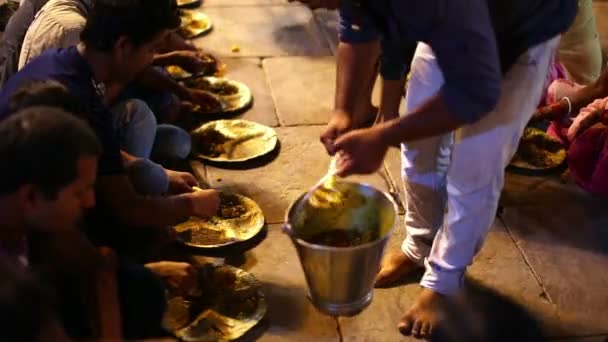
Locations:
{"points": [[139, 20], [49, 93], [42, 146]]}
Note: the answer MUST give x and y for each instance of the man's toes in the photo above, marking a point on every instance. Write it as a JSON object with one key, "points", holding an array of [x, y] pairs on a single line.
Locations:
{"points": [[405, 326], [416, 328], [425, 331]]}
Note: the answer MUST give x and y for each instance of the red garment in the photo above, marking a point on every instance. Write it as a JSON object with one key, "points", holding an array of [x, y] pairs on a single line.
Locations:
{"points": [[587, 153], [588, 160]]}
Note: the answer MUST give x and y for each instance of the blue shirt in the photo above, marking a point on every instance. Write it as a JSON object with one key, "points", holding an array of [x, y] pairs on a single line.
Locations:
{"points": [[68, 67], [475, 41]]}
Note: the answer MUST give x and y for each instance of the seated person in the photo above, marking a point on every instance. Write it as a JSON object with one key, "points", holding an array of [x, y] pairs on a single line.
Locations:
{"points": [[12, 38], [119, 41], [579, 115], [59, 24], [40, 210], [28, 314]]}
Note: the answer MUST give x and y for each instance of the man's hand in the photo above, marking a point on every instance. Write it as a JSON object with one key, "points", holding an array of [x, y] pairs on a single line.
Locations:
{"points": [[314, 4], [194, 62], [362, 151], [180, 182], [205, 203], [207, 102], [339, 123], [175, 42], [179, 276]]}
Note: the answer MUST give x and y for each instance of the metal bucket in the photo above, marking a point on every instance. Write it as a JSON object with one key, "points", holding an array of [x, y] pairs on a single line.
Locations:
{"points": [[341, 279]]}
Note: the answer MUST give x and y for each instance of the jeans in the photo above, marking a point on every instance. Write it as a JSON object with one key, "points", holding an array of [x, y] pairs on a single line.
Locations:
{"points": [[142, 137], [453, 181]]}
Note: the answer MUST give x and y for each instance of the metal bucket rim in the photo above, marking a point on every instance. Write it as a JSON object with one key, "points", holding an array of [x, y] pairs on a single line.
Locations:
{"points": [[287, 225]]}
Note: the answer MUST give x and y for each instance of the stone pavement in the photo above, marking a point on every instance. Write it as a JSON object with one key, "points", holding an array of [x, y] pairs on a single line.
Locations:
{"points": [[548, 250]]}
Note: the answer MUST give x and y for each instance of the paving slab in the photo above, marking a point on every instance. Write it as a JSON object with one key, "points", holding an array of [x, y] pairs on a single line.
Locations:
{"points": [[378, 322], [565, 240], [328, 21], [499, 266], [263, 31], [250, 72], [518, 189], [303, 88], [291, 316], [302, 161]]}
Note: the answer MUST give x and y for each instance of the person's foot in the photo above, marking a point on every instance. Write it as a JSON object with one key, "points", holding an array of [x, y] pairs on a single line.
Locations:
{"points": [[422, 317], [395, 266]]}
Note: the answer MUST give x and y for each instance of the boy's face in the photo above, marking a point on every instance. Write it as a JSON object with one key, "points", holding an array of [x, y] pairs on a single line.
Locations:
{"points": [[67, 207], [130, 59]]}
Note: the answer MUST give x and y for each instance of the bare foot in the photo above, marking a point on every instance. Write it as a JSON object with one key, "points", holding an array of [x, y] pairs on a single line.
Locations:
{"points": [[420, 320], [396, 265]]}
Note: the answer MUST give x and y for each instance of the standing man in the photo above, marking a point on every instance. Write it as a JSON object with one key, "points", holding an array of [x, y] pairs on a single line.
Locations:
{"points": [[476, 77]]}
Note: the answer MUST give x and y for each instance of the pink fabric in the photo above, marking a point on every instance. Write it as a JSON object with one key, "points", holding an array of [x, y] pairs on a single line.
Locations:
{"points": [[588, 160], [587, 153], [556, 72]]}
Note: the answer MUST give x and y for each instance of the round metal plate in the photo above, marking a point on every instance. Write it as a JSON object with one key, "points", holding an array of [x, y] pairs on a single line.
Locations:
{"points": [[235, 101], [538, 152], [232, 303], [220, 232], [194, 24], [233, 140]]}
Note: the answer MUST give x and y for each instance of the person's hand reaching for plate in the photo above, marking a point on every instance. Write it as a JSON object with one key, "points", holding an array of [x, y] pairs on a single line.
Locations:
{"points": [[180, 182], [205, 203], [180, 277], [206, 101], [195, 62]]}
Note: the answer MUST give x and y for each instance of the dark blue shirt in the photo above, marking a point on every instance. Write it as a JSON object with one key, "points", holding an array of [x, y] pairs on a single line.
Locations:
{"points": [[71, 69], [475, 41]]}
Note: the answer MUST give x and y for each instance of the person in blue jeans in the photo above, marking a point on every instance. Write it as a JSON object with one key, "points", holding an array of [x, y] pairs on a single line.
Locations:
{"points": [[119, 40]]}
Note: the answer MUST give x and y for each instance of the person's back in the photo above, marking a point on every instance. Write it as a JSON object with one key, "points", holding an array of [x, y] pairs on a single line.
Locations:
{"points": [[12, 38], [26, 308], [57, 25]]}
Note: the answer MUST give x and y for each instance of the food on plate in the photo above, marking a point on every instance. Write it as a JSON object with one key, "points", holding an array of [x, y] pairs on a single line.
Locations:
{"points": [[537, 150], [210, 67], [218, 87], [211, 143], [211, 105], [238, 219], [228, 304], [193, 24], [231, 206]]}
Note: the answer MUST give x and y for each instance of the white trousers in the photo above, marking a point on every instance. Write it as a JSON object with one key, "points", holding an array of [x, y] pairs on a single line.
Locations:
{"points": [[453, 181]]}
